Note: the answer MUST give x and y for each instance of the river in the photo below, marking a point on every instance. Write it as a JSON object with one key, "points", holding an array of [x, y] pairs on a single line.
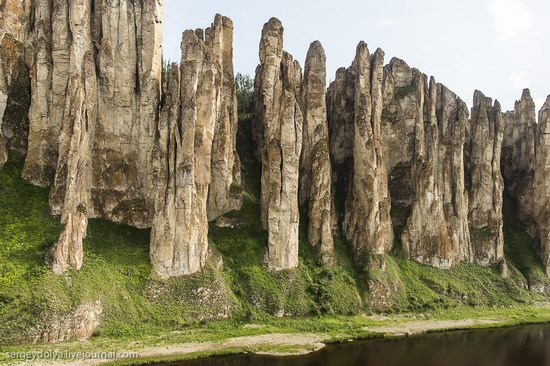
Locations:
{"points": [[527, 345]]}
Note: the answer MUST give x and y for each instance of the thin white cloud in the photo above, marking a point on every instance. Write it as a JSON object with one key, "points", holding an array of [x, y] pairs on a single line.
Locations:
{"points": [[511, 18]]}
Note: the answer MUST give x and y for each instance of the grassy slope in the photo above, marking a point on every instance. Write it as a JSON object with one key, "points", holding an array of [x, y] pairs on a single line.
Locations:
{"points": [[117, 272]]}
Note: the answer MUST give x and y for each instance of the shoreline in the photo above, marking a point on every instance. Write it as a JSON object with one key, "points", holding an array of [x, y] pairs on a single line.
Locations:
{"points": [[268, 341]]}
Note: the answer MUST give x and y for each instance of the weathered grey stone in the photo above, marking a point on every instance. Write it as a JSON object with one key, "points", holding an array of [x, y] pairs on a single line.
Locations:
{"points": [[225, 194], [315, 172], [196, 165], [423, 129], [128, 36], [44, 131], [484, 182], [518, 158], [179, 237], [367, 222], [452, 116], [279, 138], [425, 237], [541, 190], [71, 193], [14, 78]]}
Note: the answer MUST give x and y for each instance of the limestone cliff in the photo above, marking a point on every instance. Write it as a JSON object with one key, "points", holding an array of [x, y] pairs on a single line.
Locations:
{"points": [[315, 171], [14, 78], [541, 197], [367, 222], [484, 180], [279, 121], [225, 194], [423, 128], [195, 162], [125, 45], [71, 193], [518, 157]]}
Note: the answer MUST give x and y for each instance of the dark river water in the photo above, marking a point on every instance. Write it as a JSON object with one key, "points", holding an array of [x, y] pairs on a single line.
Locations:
{"points": [[522, 346]]}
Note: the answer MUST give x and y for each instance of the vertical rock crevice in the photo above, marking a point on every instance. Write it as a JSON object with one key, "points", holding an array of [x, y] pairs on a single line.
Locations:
{"points": [[71, 192], [195, 161], [367, 221], [14, 78], [518, 157], [541, 197], [485, 181]]}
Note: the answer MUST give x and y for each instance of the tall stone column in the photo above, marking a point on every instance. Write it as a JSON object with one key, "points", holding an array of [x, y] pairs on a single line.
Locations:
{"points": [[542, 184], [485, 181], [367, 221], [279, 121], [316, 171]]}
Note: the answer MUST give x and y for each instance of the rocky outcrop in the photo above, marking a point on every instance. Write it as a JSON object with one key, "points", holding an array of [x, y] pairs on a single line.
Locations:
{"points": [[518, 157], [71, 193], [315, 172], [194, 168], [225, 194], [126, 50], [367, 222], [44, 118], [452, 117], [79, 324], [484, 181], [278, 133], [14, 78], [423, 128], [96, 69], [541, 190]]}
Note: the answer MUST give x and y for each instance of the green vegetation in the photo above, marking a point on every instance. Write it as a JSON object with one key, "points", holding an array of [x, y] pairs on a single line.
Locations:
{"points": [[404, 91], [519, 249], [245, 95], [146, 312]]}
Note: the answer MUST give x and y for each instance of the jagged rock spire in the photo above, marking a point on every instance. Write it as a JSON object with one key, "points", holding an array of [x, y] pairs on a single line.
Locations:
{"points": [[315, 172], [278, 133], [71, 193], [542, 184], [423, 129], [518, 157], [485, 181], [195, 153], [367, 222]]}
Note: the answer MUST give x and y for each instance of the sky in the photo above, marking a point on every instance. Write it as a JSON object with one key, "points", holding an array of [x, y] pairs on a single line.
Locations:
{"points": [[497, 46]]}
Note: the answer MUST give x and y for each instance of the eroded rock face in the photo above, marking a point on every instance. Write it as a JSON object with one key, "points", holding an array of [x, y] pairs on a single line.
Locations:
{"points": [[452, 116], [423, 128], [195, 164], [341, 114], [541, 197], [225, 194], [126, 48], [367, 222], [518, 157], [278, 129], [484, 182], [14, 78], [316, 172], [77, 325], [71, 193]]}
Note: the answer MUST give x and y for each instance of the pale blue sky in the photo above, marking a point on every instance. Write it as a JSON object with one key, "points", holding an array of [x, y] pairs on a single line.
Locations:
{"points": [[497, 46]]}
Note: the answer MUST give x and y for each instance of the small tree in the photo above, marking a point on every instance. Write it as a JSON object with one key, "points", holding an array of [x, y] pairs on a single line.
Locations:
{"points": [[245, 95]]}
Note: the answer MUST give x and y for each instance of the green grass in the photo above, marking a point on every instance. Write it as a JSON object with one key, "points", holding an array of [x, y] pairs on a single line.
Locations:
{"points": [[520, 249], [138, 308]]}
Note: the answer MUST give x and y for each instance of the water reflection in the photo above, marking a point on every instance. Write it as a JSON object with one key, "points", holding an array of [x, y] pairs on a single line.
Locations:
{"points": [[506, 347]]}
